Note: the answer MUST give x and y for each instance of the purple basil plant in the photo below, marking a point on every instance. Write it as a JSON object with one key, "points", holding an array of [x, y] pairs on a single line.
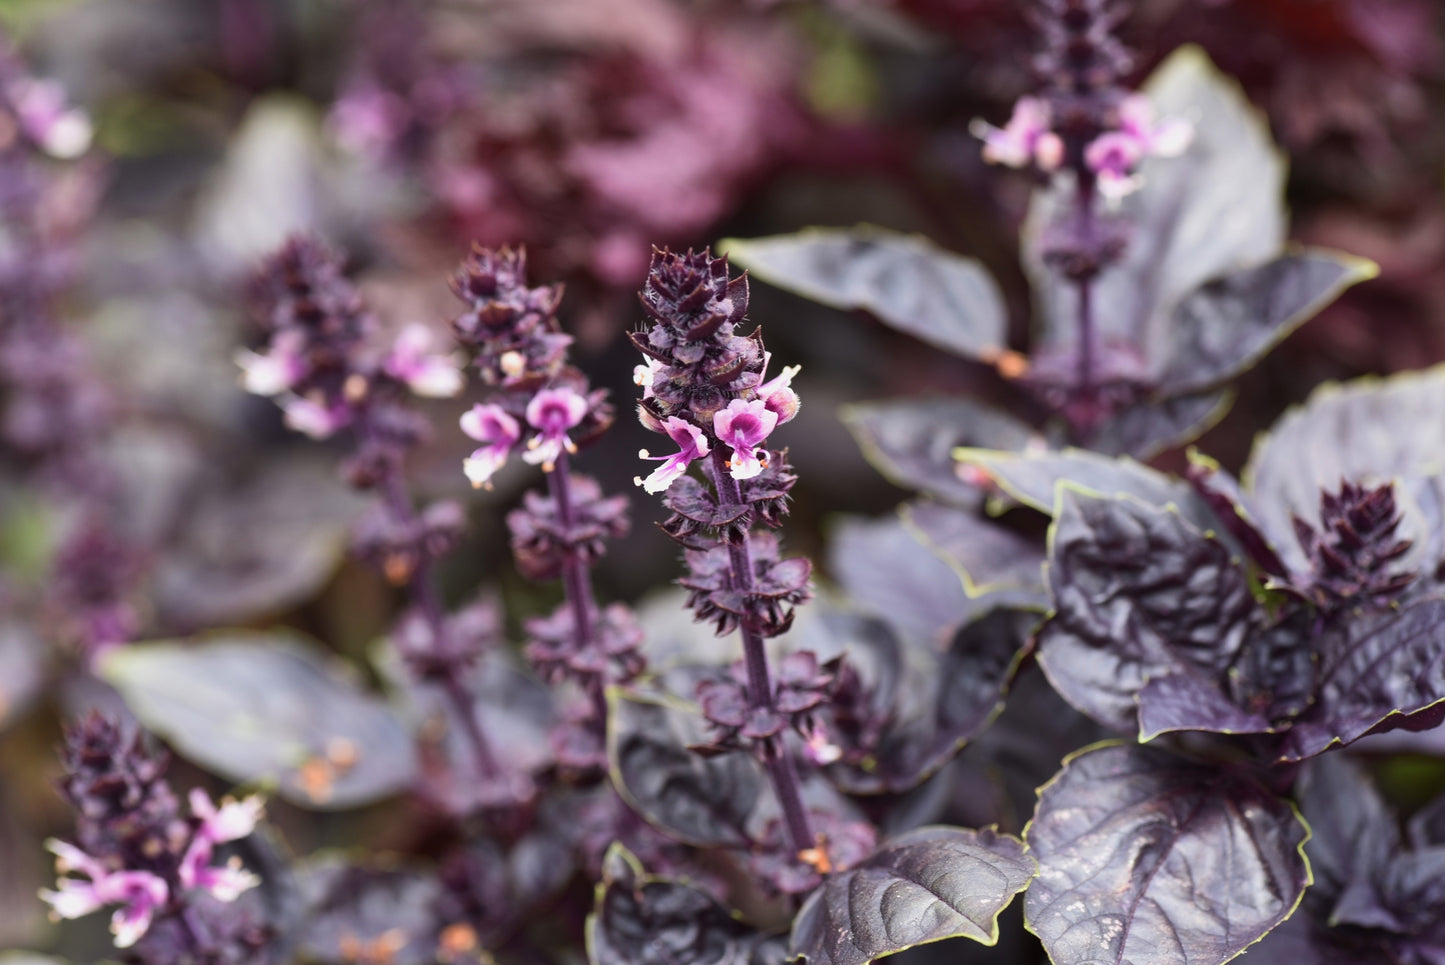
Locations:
{"points": [[1142, 701]]}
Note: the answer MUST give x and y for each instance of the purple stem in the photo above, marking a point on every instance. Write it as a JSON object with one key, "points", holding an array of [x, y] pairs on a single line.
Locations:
{"points": [[421, 587], [781, 769], [577, 581], [1084, 203]]}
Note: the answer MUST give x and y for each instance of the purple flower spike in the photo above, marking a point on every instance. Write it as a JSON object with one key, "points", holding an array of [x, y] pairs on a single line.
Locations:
{"points": [[139, 893], [433, 376], [745, 425], [692, 444], [499, 432], [232, 821], [1026, 138], [553, 411]]}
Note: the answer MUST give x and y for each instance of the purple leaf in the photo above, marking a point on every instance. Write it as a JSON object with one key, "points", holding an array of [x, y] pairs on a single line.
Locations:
{"points": [[946, 300], [1227, 325], [1138, 593], [640, 919], [1146, 856], [255, 706], [925, 886], [987, 556], [705, 801], [1375, 672], [911, 441]]}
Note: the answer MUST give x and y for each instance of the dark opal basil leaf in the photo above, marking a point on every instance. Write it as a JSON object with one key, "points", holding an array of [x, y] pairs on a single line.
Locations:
{"points": [[644, 920], [944, 299], [1229, 324], [1376, 670], [1138, 593], [1032, 479], [23, 669], [267, 706], [368, 913], [988, 557], [885, 571], [911, 441], [941, 702], [1302, 941], [1369, 431], [924, 886], [1188, 701], [1156, 424], [705, 801], [1352, 832], [1147, 857], [1204, 215], [256, 549]]}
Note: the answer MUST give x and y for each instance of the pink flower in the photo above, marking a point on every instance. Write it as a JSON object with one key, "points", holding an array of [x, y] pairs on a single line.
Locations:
{"points": [[744, 425], [60, 131], [1026, 138], [645, 375], [276, 370], [232, 821], [1115, 156], [692, 444], [553, 411], [433, 376], [498, 432], [314, 419], [778, 394], [139, 893]]}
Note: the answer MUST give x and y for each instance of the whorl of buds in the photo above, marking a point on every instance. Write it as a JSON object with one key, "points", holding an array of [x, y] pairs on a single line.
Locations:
{"points": [[512, 328], [1353, 552]]}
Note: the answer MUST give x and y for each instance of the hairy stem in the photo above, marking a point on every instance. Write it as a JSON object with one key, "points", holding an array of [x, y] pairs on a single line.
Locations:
{"points": [[577, 581], [781, 770]]}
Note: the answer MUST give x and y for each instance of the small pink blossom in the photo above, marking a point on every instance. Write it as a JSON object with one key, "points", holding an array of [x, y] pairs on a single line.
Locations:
{"points": [[275, 370], [60, 131], [492, 426], [139, 893], [692, 444], [553, 412], [232, 821], [778, 394], [1115, 156], [645, 375], [433, 376], [1026, 138], [744, 425], [313, 418]]}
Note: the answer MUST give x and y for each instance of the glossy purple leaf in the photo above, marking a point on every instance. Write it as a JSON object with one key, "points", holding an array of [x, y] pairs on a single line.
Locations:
{"points": [[884, 570], [641, 919], [905, 281], [1138, 593], [1148, 857], [705, 801], [1185, 701], [268, 707], [1370, 431], [1159, 423], [1227, 325], [911, 441], [987, 556], [1032, 478], [1375, 672], [925, 886]]}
